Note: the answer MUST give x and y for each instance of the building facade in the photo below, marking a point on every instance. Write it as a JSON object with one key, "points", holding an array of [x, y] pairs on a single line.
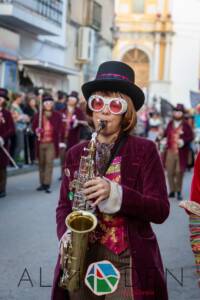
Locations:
{"points": [[145, 41], [33, 44], [90, 35], [53, 44], [157, 38]]}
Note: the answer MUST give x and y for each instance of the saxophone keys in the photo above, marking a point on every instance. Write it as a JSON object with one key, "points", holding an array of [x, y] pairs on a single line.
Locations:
{"points": [[71, 196]]}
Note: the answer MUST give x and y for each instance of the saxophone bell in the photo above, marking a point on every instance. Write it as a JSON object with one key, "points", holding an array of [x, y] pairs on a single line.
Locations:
{"points": [[81, 221]]}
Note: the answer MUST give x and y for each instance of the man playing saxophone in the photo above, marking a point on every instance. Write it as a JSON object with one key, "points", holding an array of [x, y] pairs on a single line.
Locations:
{"points": [[128, 192]]}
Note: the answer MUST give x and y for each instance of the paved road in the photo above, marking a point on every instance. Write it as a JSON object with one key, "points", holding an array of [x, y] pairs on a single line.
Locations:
{"points": [[28, 244]]}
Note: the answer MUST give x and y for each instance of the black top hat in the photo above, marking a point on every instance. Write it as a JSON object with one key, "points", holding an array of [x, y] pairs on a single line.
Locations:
{"points": [[73, 94], [4, 93], [117, 77], [47, 97], [179, 107]]}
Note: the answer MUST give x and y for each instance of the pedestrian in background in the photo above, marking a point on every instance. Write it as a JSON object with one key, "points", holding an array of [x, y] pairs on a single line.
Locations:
{"points": [[7, 129], [20, 120], [178, 136], [30, 109], [154, 125], [60, 103], [47, 125], [73, 119]]}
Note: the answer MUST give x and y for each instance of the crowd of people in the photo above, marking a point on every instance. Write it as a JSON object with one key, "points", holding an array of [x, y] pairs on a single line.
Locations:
{"points": [[177, 138], [38, 128]]}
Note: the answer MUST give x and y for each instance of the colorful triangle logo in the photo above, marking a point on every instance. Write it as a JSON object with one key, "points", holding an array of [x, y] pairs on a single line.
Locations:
{"points": [[102, 278]]}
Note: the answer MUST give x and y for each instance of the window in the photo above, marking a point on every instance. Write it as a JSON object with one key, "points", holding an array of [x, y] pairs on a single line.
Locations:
{"points": [[138, 6], [97, 11], [94, 15], [51, 9]]}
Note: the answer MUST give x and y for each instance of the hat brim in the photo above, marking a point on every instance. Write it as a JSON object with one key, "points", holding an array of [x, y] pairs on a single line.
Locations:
{"points": [[115, 85], [181, 110], [5, 97], [48, 100]]}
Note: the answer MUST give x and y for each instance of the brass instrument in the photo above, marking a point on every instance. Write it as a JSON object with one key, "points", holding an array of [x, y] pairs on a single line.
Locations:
{"points": [[41, 92], [81, 221]]}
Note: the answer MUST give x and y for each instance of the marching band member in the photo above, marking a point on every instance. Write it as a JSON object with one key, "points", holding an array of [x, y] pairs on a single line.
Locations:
{"points": [[128, 193], [49, 135], [73, 118], [7, 129], [178, 137]]}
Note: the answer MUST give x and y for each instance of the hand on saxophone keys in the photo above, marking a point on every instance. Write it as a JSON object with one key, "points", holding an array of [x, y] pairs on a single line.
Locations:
{"points": [[97, 189]]}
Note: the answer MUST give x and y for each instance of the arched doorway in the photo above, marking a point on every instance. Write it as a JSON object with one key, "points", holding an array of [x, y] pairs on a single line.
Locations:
{"points": [[139, 61]]}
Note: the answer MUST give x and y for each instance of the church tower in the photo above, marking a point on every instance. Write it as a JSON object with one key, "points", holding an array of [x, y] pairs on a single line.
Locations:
{"points": [[144, 42]]}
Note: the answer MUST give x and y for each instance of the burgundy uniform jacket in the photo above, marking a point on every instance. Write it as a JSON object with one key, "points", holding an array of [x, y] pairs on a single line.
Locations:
{"points": [[74, 133], [144, 201], [7, 129], [56, 121], [187, 137]]}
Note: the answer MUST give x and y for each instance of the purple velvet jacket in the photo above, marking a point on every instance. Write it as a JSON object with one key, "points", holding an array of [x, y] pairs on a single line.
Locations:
{"points": [[144, 200], [74, 133], [6, 130], [187, 137]]}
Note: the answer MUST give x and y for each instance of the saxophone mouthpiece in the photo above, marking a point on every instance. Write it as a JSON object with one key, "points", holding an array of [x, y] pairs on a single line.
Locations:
{"points": [[102, 124]]}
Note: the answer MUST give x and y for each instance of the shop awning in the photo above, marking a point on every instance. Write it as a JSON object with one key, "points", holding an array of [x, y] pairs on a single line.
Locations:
{"points": [[47, 66], [47, 75]]}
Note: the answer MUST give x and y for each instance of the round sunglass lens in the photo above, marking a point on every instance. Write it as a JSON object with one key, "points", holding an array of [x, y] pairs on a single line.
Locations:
{"points": [[97, 104], [115, 106]]}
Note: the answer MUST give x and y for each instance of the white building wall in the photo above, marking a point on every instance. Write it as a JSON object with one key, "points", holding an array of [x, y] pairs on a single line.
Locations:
{"points": [[46, 48], [103, 43], [34, 49], [185, 50], [61, 38], [71, 58]]}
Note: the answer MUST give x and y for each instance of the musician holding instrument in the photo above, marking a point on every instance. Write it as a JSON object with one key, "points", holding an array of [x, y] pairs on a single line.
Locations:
{"points": [[125, 192], [7, 129], [47, 125], [73, 119]]}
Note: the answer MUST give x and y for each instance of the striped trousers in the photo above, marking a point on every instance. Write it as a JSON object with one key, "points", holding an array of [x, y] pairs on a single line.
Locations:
{"points": [[194, 226]]}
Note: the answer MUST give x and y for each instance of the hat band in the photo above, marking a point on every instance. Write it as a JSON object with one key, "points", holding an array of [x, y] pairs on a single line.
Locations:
{"points": [[112, 75]]}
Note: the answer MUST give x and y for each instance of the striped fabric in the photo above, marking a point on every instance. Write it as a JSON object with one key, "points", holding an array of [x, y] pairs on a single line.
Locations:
{"points": [[194, 226]]}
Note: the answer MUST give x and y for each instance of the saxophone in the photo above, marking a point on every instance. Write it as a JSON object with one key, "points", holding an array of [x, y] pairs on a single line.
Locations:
{"points": [[81, 221]]}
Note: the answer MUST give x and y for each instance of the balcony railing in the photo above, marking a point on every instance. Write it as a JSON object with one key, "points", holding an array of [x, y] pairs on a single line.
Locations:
{"points": [[50, 9]]}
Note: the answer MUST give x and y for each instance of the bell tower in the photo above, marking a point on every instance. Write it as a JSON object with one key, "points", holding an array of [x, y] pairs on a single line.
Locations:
{"points": [[145, 40]]}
